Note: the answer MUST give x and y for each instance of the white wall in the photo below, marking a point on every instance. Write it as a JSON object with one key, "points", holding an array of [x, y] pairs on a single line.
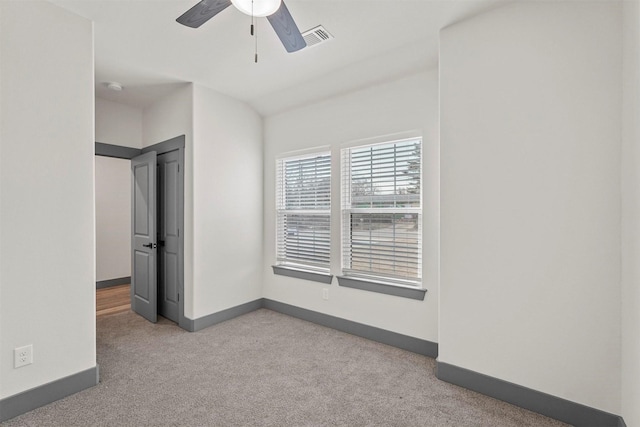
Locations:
{"points": [[227, 202], [169, 117], [403, 105], [113, 218], [631, 216], [530, 255], [47, 266], [118, 124]]}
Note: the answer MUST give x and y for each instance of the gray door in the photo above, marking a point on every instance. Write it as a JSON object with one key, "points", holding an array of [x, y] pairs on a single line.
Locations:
{"points": [[144, 287], [168, 234]]}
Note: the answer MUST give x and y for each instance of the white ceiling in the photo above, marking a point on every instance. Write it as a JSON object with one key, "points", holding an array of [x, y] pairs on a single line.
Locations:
{"points": [[139, 44]]}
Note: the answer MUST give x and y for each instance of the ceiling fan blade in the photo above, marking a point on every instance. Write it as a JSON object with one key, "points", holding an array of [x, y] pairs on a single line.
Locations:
{"points": [[202, 12], [286, 29]]}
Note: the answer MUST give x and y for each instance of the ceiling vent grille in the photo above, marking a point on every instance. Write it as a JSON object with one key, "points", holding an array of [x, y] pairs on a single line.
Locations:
{"points": [[316, 36]]}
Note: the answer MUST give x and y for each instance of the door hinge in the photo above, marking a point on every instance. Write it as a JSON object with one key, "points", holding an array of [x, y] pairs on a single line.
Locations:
{"points": [[178, 297]]}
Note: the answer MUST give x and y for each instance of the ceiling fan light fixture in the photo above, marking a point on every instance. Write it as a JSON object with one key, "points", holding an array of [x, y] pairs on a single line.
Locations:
{"points": [[260, 8]]}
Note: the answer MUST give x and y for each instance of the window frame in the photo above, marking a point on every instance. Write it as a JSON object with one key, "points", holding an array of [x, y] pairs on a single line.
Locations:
{"points": [[368, 280], [315, 270]]}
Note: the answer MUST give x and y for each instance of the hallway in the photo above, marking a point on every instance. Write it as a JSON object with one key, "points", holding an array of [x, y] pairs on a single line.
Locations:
{"points": [[112, 300]]}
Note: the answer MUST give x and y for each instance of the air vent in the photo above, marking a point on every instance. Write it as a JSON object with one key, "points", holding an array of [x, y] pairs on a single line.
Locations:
{"points": [[316, 36]]}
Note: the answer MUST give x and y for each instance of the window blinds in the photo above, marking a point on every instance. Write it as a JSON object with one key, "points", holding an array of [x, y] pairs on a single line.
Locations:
{"points": [[303, 200], [382, 212]]}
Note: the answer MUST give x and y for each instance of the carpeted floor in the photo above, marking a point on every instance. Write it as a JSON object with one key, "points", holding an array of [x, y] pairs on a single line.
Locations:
{"points": [[265, 369]]}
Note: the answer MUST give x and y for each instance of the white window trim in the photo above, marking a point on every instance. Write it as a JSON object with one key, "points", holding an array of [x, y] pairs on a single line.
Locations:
{"points": [[358, 279], [306, 270]]}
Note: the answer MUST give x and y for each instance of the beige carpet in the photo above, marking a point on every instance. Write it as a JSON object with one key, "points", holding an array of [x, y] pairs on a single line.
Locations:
{"points": [[265, 369]]}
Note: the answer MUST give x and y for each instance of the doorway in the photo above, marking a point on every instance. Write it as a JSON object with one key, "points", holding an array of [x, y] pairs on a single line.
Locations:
{"points": [[158, 285]]}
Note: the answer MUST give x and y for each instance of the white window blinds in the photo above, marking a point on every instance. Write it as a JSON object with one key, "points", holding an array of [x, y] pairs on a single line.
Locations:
{"points": [[382, 212], [304, 212]]}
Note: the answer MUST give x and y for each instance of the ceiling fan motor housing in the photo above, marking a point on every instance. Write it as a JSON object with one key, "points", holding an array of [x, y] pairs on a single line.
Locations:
{"points": [[258, 8]]}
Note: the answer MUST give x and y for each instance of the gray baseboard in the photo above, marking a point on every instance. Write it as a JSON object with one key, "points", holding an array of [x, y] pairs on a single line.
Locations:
{"points": [[113, 282], [394, 339], [194, 325], [29, 400], [551, 406], [554, 407]]}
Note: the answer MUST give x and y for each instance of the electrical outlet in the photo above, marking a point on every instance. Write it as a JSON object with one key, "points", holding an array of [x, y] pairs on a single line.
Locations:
{"points": [[23, 356], [325, 294]]}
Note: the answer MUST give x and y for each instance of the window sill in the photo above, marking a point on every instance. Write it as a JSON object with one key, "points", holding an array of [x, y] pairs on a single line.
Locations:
{"points": [[382, 288], [302, 274]]}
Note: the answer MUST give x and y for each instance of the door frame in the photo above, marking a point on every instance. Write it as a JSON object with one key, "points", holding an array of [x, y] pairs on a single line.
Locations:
{"points": [[176, 143]]}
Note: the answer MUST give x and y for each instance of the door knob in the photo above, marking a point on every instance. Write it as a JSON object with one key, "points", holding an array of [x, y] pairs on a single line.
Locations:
{"points": [[150, 245]]}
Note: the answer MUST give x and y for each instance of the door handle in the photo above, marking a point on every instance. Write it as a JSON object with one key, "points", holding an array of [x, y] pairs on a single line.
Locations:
{"points": [[150, 245]]}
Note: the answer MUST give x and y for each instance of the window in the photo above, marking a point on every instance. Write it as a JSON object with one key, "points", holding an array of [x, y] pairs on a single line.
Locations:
{"points": [[382, 212], [303, 201]]}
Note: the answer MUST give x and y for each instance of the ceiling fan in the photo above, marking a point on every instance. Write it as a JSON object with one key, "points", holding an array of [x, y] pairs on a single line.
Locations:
{"points": [[275, 11]]}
